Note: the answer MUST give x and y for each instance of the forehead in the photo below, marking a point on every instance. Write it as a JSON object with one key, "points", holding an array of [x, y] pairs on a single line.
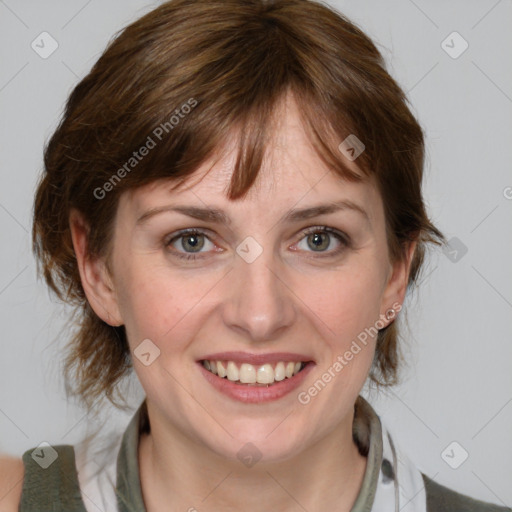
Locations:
{"points": [[291, 173]]}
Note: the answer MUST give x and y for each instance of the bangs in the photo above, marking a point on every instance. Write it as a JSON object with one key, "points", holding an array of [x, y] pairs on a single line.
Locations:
{"points": [[203, 137], [190, 94]]}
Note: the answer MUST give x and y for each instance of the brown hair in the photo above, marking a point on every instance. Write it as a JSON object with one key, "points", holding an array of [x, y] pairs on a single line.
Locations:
{"points": [[178, 81]]}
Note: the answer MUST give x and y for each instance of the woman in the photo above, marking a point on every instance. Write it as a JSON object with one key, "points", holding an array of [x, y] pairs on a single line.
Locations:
{"points": [[233, 202]]}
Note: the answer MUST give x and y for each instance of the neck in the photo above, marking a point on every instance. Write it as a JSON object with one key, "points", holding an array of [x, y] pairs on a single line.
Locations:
{"points": [[177, 474]]}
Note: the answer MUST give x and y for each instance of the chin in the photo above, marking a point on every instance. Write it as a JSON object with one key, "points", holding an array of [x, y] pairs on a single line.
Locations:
{"points": [[269, 439]]}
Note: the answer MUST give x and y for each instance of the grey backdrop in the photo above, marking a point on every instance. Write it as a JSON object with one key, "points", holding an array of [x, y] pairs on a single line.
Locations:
{"points": [[458, 385]]}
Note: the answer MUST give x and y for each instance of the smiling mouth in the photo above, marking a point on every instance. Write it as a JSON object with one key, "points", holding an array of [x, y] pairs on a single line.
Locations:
{"points": [[254, 375]]}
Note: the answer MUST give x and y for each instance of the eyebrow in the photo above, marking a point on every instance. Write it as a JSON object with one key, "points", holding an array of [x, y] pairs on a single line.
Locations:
{"points": [[219, 217]]}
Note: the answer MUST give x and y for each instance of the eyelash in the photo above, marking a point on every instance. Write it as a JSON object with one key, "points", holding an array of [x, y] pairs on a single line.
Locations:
{"points": [[341, 237]]}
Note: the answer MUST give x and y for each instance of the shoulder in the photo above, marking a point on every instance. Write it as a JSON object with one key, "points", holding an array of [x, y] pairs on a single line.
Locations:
{"points": [[12, 472], [441, 498]]}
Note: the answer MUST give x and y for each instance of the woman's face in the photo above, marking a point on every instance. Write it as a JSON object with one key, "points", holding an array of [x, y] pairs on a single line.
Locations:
{"points": [[264, 276]]}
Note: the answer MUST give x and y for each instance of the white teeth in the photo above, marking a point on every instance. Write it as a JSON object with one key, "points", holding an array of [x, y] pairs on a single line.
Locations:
{"points": [[279, 373], [265, 374], [247, 374], [221, 370], [233, 373], [252, 374]]}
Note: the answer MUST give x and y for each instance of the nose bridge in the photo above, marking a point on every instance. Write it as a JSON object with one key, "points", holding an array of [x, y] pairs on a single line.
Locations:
{"points": [[259, 302]]}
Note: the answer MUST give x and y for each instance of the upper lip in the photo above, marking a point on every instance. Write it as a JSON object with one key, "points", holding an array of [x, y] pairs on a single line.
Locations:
{"points": [[256, 359]]}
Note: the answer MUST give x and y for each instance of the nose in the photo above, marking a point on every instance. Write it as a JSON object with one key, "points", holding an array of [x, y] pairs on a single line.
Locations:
{"points": [[259, 303]]}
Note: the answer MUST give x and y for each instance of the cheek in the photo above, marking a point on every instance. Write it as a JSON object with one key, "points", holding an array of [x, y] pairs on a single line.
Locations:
{"points": [[148, 304], [348, 306], [347, 302], [156, 303]]}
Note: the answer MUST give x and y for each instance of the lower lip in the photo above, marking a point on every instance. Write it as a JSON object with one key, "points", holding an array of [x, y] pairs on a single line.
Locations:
{"points": [[256, 394]]}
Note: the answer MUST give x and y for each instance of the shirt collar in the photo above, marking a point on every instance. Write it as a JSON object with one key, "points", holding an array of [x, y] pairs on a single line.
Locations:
{"points": [[367, 433], [128, 488]]}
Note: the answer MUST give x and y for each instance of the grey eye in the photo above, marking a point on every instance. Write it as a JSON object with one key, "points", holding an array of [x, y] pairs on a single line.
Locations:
{"points": [[318, 241], [194, 242]]}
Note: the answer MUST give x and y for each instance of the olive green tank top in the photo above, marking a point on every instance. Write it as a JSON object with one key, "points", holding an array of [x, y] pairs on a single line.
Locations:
{"points": [[51, 479]]}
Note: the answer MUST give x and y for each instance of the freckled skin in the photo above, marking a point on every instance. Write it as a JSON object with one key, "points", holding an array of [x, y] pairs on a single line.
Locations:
{"points": [[290, 298]]}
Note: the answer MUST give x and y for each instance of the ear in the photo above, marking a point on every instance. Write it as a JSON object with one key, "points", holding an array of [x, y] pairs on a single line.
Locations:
{"points": [[96, 280], [396, 286]]}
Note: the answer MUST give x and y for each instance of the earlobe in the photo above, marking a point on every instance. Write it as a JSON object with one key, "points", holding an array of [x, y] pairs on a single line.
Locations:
{"points": [[96, 280]]}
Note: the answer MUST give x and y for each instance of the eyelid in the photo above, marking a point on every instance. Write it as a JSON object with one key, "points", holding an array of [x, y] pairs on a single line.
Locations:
{"points": [[342, 237], [169, 239], [326, 229]]}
